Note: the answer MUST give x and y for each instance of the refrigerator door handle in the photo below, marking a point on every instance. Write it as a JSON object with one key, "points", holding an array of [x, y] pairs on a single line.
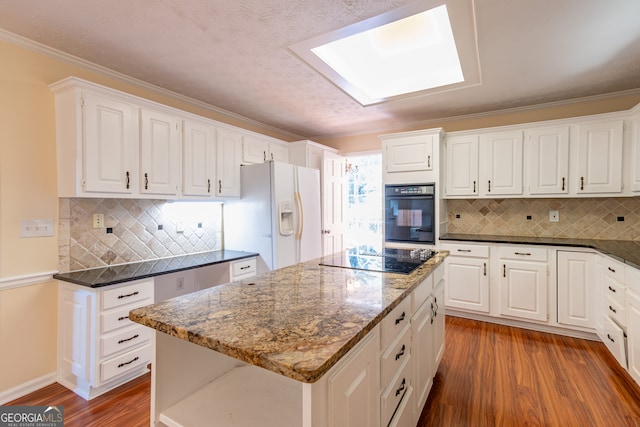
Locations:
{"points": [[296, 197]]}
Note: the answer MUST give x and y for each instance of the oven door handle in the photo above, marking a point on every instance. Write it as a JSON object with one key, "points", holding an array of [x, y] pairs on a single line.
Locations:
{"points": [[425, 197]]}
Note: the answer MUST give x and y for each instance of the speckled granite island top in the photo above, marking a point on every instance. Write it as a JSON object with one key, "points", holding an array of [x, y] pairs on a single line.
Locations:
{"points": [[105, 276], [297, 321]]}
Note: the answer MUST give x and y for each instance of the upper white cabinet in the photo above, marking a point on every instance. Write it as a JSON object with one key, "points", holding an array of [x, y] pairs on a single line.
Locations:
{"points": [[160, 156], [599, 157], [462, 166], [259, 150], [502, 161], [407, 154], [228, 160], [199, 158], [635, 149], [548, 160]]}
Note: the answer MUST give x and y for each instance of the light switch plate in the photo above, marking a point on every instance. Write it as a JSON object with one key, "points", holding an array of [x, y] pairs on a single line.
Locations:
{"points": [[36, 228]]}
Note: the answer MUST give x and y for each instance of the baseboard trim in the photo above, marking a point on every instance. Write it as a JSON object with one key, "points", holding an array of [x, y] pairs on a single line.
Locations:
{"points": [[28, 387]]}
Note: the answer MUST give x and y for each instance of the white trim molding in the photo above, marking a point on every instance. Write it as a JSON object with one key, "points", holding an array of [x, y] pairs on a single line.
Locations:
{"points": [[27, 387], [26, 280]]}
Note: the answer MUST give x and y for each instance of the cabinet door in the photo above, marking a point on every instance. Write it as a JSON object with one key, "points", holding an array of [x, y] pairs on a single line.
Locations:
{"points": [[576, 289], [523, 290], [198, 159], [635, 167], [333, 195], [76, 309], [254, 149], [502, 163], [633, 335], [159, 153], [548, 161], [354, 389], [599, 154], [412, 153], [110, 145], [467, 283], [462, 166], [422, 334], [279, 153], [438, 324], [228, 161]]}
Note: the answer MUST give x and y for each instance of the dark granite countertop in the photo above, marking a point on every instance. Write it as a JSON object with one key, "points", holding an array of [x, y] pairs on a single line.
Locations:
{"points": [[626, 251], [105, 276]]}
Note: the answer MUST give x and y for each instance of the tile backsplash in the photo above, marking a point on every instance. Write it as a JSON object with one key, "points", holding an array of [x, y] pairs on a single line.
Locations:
{"points": [[141, 230], [598, 218]]}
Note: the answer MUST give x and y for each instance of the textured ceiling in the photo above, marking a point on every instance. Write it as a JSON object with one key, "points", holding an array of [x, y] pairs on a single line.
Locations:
{"points": [[233, 54]]}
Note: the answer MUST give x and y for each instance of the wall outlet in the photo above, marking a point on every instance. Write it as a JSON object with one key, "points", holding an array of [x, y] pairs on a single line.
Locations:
{"points": [[180, 227], [554, 216], [98, 220]]}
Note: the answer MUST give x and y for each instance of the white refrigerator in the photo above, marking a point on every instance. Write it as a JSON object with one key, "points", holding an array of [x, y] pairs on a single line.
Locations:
{"points": [[278, 214]]}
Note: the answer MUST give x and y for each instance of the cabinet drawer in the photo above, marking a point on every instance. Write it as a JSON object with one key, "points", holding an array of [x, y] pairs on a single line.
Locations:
{"points": [[394, 357], [393, 394], [242, 269], [614, 290], [614, 339], [613, 269], [123, 340], [421, 293], [116, 318], [126, 363], [524, 253], [404, 414], [615, 311], [394, 322], [141, 292], [480, 251]]}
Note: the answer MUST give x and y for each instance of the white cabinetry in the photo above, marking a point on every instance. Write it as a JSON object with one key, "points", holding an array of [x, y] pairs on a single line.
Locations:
{"points": [[502, 163], [462, 166], [439, 285], [160, 157], [99, 348], [258, 150], [635, 150], [522, 285], [633, 322], [548, 160], [409, 153], [611, 323], [599, 157], [576, 289], [199, 158], [467, 277], [228, 160]]}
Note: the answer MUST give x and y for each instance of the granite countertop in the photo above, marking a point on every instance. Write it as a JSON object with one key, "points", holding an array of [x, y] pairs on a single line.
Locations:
{"points": [[105, 276], [297, 321], [626, 251]]}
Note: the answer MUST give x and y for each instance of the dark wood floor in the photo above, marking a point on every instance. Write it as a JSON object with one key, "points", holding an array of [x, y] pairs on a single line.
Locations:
{"points": [[490, 375]]}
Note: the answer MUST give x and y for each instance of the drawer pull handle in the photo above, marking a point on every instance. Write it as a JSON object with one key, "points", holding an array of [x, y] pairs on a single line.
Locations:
{"points": [[245, 267], [128, 295], [428, 161], [433, 314], [563, 183], [582, 183], [146, 181], [504, 270], [400, 353], [401, 318], [209, 185], [484, 268], [474, 187], [220, 186], [523, 253], [464, 250], [129, 339], [610, 339], [401, 388], [128, 180], [613, 309], [611, 269], [121, 318], [129, 362], [489, 186], [611, 289]]}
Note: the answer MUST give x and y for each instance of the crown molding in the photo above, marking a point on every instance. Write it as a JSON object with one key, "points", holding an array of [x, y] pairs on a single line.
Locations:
{"points": [[51, 52]]}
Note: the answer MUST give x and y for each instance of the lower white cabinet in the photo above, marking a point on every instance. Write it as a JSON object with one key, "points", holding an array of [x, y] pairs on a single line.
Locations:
{"points": [[99, 348], [437, 321], [467, 271], [633, 334], [523, 283], [576, 288]]}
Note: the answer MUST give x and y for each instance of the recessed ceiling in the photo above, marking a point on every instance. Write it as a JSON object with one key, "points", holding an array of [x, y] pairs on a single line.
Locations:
{"points": [[233, 54]]}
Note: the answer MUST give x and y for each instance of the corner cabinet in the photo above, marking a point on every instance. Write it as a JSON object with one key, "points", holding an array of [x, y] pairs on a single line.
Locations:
{"points": [[99, 348]]}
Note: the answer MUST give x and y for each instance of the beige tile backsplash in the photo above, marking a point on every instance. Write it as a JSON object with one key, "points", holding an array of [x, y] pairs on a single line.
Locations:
{"points": [[579, 218], [135, 236]]}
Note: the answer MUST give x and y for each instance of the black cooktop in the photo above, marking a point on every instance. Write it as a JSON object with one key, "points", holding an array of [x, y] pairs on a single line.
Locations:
{"points": [[388, 260]]}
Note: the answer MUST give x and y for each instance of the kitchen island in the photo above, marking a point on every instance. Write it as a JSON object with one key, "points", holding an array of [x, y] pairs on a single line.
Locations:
{"points": [[283, 342]]}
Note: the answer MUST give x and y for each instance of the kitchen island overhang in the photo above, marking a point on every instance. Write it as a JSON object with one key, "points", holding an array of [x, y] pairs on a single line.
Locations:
{"points": [[298, 322]]}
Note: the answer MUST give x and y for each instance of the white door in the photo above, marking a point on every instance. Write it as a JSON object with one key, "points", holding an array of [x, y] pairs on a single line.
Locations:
{"points": [[228, 160], [502, 163], [576, 289], [548, 160], [467, 283], [462, 166], [523, 290], [160, 160], [110, 145], [198, 159], [333, 195], [599, 153]]}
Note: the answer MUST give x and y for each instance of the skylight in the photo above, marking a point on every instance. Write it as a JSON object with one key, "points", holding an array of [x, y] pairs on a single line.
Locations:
{"points": [[407, 52]]}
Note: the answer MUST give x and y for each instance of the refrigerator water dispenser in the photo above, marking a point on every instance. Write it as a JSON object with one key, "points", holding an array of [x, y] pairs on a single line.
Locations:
{"points": [[285, 217]]}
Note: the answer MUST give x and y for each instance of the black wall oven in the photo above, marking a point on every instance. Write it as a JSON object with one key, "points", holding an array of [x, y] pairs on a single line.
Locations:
{"points": [[409, 213]]}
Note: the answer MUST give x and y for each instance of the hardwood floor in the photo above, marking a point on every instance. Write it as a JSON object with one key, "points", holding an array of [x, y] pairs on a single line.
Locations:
{"points": [[490, 375]]}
